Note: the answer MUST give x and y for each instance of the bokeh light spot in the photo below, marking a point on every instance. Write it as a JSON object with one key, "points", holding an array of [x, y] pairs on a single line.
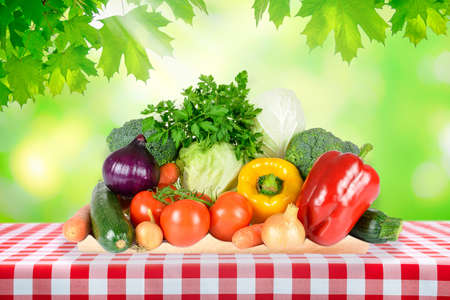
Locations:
{"points": [[49, 150], [444, 141], [36, 166], [35, 171], [429, 180], [442, 67]]}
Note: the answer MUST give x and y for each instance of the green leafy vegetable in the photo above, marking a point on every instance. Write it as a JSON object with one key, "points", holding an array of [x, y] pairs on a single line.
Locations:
{"points": [[281, 117], [210, 171], [306, 147], [210, 114], [120, 137]]}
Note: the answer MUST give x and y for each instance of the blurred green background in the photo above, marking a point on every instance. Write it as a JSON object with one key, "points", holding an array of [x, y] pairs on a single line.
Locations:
{"points": [[395, 96]]}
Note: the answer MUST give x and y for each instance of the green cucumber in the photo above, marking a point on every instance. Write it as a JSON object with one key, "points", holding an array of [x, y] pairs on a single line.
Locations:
{"points": [[376, 227], [111, 228]]}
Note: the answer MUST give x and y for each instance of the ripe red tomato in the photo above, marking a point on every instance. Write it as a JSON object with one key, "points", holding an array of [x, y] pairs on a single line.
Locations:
{"points": [[230, 212], [140, 205], [185, 222]]}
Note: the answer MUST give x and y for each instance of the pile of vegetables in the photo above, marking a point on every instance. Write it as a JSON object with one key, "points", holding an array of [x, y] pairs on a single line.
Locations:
{"points": [[246, 172]]}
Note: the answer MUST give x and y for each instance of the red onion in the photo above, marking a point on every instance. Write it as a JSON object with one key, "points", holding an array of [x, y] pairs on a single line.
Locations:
{"points": [[131, 169]]}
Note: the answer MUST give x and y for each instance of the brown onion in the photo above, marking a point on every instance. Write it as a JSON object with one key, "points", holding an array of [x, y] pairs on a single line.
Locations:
{"points": [[283, 231], [149, 235]]}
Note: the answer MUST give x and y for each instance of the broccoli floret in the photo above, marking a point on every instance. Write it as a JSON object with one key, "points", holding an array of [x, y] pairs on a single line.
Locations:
{"points": [[120, 137], [306, 146]]}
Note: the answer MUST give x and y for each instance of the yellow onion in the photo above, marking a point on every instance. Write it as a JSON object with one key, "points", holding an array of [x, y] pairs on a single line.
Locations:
{"points": [[283, 231]]}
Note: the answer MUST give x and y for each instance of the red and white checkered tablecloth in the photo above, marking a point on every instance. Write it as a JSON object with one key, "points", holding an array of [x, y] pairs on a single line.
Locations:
{"points": [[36, 262]]}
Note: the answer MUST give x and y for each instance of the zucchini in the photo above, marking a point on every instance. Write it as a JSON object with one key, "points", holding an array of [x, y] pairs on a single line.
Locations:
{"points": [[376, 227], [111, 228]]}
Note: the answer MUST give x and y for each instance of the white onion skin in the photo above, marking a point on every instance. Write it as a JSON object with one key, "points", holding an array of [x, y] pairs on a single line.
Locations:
{"points": [[283, 231]]}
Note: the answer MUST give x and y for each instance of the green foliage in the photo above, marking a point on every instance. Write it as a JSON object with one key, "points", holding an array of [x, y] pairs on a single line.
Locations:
{"points": [[418, 15], [278, 9], [305, 148], [210, 114], [24, 77], [38, 35], [122, 35], [45, 44], [181, 9], [349, 18], [343, 17]]}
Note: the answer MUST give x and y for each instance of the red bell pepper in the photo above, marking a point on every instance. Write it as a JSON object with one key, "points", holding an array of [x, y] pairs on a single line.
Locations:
{"points": [[336, 192]]}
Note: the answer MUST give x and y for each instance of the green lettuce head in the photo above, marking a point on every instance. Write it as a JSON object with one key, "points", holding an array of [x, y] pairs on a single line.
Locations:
{"points": [[209, 171]]}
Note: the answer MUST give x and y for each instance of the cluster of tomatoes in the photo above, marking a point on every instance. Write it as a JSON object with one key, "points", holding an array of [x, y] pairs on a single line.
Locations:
{"points": [[184, 222]]}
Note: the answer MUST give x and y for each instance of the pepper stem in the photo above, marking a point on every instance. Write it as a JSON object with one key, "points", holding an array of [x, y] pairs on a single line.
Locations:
{"points": [[366, 148], [269, 185]]}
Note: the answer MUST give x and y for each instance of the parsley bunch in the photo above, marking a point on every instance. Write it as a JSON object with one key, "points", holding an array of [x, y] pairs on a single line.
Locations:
{"points": [[210, 114]]}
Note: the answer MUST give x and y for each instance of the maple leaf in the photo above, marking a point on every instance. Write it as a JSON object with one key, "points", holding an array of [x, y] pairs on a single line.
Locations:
{"points": [[259, 7], [2, 70], [77, 31], [181, 9], [5, 18], [80, 7], [24, 77], [34, 42], [56, 82], [343, 17], [4, 95], [76, 81], [74, 58], [278, 10], [15, 29], [32, 10], [126, 36], [200, 4], [418, 14], [70, 66]]}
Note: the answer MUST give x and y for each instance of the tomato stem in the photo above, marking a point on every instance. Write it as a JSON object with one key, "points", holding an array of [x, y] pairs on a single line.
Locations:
{"points": [[178, 194]]}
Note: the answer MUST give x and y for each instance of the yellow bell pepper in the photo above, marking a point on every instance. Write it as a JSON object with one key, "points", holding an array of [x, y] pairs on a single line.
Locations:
{"points": [[270, 184]]}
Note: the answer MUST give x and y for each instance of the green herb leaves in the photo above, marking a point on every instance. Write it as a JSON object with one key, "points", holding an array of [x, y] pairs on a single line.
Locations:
{"points": [[209, 114]]}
